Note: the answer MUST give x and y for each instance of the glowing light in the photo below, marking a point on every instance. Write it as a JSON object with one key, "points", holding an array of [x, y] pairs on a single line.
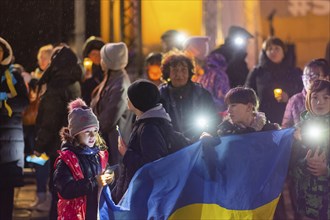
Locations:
{"points": [[88, 64], [201, 122], [239, 41], [277, 92], [314, 132], [180, 38]]}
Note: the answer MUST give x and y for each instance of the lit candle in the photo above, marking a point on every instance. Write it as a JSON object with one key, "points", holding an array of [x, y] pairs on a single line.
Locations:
{"points": [[277, 92]]}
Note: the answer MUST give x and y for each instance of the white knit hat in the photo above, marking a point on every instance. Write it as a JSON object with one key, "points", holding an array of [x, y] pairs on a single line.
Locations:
{"points": [[197, 45], [115, 55]]}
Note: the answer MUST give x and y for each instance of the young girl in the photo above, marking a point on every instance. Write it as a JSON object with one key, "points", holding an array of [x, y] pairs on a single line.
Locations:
{"points": [[80, 168], [310, 157]]}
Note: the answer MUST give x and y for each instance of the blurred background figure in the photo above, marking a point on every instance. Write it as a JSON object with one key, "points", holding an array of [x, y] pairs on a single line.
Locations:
{"points": [[63, 85], [44, 55], [274, 80], [215, 79], [314, 70], [234, 51], [30, 113], [172, 39], [109, 101], [92, 63], [327, 53], [197, 48], [13, 99], [190, 106], [152, 68]]}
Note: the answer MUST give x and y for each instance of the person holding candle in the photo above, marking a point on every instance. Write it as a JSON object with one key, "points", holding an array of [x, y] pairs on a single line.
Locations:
{"points": [[274, 79], [92, 64]]}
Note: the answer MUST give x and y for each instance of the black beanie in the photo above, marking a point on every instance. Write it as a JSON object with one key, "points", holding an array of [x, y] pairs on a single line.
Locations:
{"points": [[92, 43], [144, 95]]}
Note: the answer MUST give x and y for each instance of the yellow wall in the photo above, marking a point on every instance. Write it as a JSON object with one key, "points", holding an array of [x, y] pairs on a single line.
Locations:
{"points": [[105, 20], [309, 33], [159, 16]]}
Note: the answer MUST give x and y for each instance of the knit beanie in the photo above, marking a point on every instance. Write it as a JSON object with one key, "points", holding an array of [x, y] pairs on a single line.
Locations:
{"points": [[80, 117], [198, 46], [115, 55], [143, 94], [92, 43]]}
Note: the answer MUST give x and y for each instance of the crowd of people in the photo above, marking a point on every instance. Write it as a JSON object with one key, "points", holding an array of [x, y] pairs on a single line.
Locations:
{"points": [[96, 128]]}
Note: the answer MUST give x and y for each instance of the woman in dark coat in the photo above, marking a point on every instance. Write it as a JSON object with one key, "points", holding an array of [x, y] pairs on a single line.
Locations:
{"points": [[62, 78], [13, 99], [185, 101], [274, 72]]}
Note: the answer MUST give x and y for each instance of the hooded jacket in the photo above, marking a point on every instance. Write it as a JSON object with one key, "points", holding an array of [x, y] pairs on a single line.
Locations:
{"points": [[62, 78], [146, 144]]}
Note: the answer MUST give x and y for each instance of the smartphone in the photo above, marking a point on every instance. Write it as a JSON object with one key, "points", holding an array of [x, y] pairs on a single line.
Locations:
{"points": [[111, 169], [118, 130]]}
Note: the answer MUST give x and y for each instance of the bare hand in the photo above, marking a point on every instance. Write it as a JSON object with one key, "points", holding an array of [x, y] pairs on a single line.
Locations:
{"points": [[205, 134], [283, 97], [38, 154], [122, 148], [104, 179], [317, 163]]}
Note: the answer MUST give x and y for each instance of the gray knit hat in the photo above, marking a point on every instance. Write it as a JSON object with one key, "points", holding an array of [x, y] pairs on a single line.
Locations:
{"points": [[80, 117], [115, 55]]}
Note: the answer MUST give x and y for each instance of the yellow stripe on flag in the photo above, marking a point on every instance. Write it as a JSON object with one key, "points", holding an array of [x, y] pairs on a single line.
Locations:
{"points": [[214, 211]]}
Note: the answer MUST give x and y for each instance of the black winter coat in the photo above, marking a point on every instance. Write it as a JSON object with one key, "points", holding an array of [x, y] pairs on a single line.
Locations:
{"points": [[63, 85], [185, 105], [69, 188], [266, 77], [11, 134], [147, 143]]}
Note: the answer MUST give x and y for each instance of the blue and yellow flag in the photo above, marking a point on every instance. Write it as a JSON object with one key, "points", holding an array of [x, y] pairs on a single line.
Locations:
{"points": [[232, 177]]}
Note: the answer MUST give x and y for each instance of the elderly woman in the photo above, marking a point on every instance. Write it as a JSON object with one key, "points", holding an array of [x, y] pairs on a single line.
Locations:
{"points": [[190, 106], [272, 74]]}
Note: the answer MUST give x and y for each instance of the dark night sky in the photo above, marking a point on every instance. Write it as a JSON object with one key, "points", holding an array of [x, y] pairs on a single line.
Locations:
{"points": [[29, 24]]}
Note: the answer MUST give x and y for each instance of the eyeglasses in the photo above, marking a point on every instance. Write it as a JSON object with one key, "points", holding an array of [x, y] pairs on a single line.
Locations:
{"points": [[311, 76]]}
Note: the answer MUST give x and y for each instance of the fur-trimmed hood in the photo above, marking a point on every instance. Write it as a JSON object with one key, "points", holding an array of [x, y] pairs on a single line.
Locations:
{"points": [[8, 52]]}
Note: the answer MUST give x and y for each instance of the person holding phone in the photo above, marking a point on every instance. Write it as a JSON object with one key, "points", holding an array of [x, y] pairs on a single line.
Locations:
{"points": [[310, 163], [148, 140]]}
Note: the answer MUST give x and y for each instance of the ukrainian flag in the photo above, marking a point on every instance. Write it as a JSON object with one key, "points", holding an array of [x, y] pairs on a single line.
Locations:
{"points": [[232, 177]]}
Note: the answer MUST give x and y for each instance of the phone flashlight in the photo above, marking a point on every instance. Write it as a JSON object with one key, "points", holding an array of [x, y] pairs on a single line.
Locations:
{"points": [[118, 130]]}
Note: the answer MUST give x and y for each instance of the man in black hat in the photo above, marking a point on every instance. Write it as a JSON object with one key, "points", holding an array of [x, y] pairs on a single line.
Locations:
{"points": [[234, 51]]}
